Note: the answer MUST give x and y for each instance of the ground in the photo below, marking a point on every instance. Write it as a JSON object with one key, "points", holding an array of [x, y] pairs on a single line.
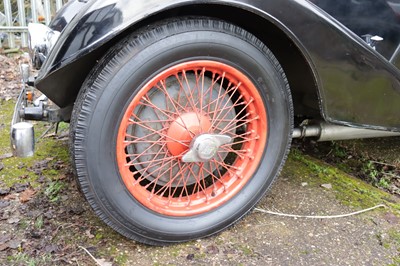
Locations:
{"points": [[44, 220]]}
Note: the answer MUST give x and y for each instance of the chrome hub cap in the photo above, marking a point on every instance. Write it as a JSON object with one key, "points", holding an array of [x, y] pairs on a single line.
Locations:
{"points": [[204, 147]]}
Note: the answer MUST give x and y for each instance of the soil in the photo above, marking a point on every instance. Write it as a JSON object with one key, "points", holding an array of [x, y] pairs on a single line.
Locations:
{"points": [[44, 220]]}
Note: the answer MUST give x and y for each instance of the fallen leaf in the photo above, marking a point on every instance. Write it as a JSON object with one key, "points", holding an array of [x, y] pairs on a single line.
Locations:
{"points": [[27, 195], [10, 197], [4, 238], [20, 187], [62, 177], [88, 234], [4, 204], [51, 249], [3, 247], [13, 244]]}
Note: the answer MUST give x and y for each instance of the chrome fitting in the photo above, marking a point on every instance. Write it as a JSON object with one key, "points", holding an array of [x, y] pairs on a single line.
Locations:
{"points": [[22, 139], [41, 40]]}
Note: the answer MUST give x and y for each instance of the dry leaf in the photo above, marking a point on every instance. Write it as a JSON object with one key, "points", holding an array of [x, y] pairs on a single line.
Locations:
{"points": [[10, 197], [88, 234], [27, 195]]}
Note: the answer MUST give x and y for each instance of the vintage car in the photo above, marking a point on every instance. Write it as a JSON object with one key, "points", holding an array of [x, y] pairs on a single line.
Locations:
{"points": [[182, 112]]}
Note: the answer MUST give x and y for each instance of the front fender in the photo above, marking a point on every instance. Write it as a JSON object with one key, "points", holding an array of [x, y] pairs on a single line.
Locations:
{"points": [[99, 22], [343, 65]]}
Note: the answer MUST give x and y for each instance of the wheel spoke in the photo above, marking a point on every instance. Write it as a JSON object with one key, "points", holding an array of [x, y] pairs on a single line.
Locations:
{"points": [[178, 109], [163, 134]]}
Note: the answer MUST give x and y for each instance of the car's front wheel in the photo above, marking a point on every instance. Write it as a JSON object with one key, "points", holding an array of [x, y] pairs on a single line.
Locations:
{"points": [[180, 130]]}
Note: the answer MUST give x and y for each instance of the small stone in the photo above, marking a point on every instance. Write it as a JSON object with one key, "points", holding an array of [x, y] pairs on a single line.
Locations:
{"points": [[4, 191], [304, 184], [13, 220], [327, 186]]}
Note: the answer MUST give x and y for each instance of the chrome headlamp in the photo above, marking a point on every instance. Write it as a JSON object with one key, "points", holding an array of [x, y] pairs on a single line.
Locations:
{"points": [[41, 40]]}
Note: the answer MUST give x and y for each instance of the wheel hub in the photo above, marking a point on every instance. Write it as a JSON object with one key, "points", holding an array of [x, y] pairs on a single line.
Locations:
{"points": [[184, 129], [205, 147]]}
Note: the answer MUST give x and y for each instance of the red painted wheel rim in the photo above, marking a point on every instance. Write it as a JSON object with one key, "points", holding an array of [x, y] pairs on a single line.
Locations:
{"points": [[167, 185]]}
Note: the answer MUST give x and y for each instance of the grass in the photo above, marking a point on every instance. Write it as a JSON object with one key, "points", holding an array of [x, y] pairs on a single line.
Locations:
{"points": [[53, 190], [22, 258]]}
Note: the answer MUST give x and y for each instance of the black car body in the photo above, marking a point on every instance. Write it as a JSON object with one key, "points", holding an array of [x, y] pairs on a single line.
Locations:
{"points": [[340, 58], [340, 73]]}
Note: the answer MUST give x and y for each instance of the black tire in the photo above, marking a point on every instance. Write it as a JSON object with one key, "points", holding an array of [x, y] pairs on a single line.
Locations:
{"points": [[105, 96]]}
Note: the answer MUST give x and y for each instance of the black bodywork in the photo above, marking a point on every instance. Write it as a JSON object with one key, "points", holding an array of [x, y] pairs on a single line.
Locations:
{"points": [[333, 72]]}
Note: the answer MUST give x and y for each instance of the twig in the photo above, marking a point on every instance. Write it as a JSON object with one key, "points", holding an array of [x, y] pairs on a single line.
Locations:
{"points": [[320, 217], [87, 251], [45, 132], [63, 226], [392, 175], [386, 164]]}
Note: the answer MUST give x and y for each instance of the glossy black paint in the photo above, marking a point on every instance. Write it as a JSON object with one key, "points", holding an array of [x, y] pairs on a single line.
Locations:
{"points": [[66, 14], [375, 17], [357, 85]]}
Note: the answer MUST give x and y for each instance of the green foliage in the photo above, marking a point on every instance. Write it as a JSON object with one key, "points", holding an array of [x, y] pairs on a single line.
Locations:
{"points": [[53, 190], [22, 258], [39, 222]]}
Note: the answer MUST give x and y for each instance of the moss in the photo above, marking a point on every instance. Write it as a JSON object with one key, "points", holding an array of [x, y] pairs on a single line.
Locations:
{"points": [[349, 190]]}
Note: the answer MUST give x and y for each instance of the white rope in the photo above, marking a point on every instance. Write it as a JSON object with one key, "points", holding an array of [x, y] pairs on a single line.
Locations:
{"points": [[87, 251], [320, 217]]}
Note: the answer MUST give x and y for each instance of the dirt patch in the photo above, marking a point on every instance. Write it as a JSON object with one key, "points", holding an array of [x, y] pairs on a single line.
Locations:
{"points": [[44, 220]]}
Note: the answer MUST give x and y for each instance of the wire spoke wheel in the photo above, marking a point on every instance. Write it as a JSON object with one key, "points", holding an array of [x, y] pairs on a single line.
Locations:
{"points": [[162, 124], [180, 130]]}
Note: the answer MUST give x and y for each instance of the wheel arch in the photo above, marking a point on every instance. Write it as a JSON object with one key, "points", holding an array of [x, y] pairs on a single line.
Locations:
{"points": [[287, 49]]}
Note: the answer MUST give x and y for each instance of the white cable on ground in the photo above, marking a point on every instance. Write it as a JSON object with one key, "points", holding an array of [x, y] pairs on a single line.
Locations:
{"points": [[320, 217], [87, 251]]}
